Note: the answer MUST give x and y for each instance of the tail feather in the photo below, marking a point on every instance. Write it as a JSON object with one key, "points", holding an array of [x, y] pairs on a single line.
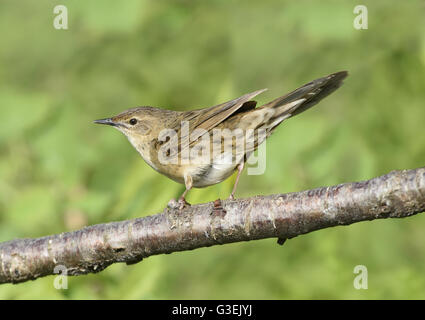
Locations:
{"points": [[270, 115], [306, 96]]}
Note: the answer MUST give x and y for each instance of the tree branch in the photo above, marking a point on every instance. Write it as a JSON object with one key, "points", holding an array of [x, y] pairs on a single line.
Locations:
{"points": [[395, 195]]}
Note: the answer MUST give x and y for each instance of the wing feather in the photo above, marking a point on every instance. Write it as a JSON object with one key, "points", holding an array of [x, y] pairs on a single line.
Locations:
{"points": [[208, 118]]}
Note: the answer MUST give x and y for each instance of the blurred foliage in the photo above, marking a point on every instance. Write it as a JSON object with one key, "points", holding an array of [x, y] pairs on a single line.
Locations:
{"points": [[60, 172]]}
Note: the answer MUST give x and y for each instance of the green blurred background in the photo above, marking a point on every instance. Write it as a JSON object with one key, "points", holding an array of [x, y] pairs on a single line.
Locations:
{"points": [[59, 172]]}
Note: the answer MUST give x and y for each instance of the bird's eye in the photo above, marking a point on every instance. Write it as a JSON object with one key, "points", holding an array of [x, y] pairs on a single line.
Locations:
{"points": [[133, 121]]}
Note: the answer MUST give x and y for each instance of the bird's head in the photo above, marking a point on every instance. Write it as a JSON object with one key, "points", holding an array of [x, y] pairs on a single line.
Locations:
{"points": [[137, 125], [141, 126], [134, 123]]}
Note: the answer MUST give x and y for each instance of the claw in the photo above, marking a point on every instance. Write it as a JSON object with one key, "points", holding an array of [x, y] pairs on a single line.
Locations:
{"points": [[173, 204], [182, 203]]}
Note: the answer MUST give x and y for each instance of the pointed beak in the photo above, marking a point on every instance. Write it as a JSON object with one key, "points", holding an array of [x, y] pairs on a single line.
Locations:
{"points": [[107, 121]]}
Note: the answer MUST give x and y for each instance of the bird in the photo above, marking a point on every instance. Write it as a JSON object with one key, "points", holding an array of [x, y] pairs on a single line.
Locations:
{"points": [[203, 147]]}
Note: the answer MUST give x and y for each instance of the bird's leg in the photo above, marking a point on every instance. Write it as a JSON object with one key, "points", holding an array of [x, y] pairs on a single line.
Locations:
{"points": [[240, 169], [181, 203], [188, 183]]}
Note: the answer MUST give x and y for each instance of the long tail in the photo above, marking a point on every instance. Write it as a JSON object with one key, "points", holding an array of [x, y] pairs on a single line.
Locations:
{"points": [[304, 97]]}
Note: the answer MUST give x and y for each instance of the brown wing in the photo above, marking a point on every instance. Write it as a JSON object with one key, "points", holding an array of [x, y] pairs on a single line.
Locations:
{"points": [[207, 118]]}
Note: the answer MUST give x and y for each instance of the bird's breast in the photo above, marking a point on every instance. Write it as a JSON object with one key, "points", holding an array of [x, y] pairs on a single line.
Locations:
{"points": [[218, 170]]}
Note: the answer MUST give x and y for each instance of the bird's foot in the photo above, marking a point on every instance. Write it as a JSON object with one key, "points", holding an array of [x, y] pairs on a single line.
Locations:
{"points": [[218, 209], [183, 203], [173, 204], [180, 204], [231, 197]]}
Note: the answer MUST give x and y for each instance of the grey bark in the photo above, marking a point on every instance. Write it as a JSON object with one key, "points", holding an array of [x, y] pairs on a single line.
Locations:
{"points": [[395, 195]]}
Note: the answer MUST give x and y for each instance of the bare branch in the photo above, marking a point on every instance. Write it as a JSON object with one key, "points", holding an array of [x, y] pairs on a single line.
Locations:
{"points": [[395, 195]]}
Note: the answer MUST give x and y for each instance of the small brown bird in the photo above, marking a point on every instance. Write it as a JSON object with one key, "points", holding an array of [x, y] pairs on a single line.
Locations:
{"points": [[203, 147]]}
